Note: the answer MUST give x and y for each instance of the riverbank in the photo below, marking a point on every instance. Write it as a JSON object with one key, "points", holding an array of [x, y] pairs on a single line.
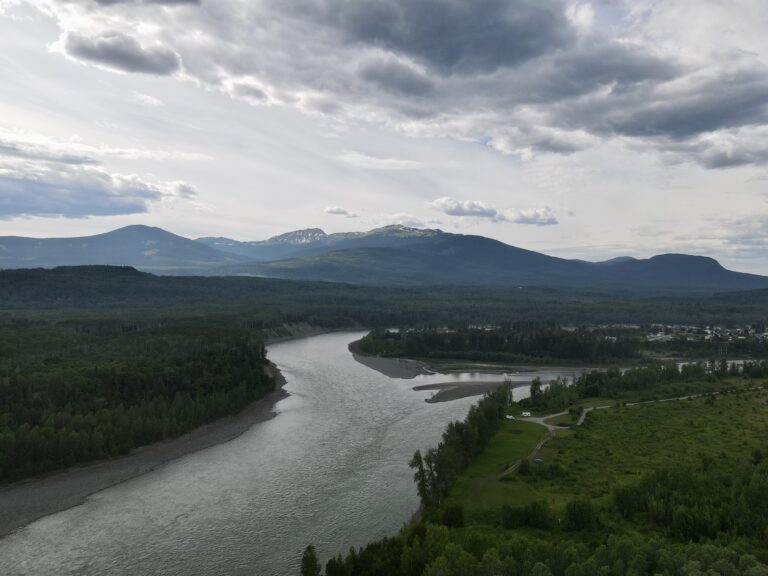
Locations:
{"points": [[393, 367], [448, 391], [23, 502]]}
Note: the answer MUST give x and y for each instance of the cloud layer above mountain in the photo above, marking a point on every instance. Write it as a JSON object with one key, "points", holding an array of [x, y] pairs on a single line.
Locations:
{"points": [[524, 76], [585, 128]]}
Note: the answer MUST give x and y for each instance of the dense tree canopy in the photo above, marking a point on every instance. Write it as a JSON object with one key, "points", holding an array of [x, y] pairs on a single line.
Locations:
{"points": [[81, 390], [509, 343]]}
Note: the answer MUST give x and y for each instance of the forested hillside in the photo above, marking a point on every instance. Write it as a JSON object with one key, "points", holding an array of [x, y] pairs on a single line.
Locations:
{"points": [[273, 302], [80, 390]]}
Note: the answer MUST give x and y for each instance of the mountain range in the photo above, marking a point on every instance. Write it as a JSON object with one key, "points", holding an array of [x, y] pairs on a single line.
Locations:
{"points": [[389, 256]]}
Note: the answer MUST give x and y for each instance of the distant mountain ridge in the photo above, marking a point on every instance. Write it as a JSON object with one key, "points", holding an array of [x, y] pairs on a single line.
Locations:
{"points": [[388, 256], [144, 247], [314, 241]]}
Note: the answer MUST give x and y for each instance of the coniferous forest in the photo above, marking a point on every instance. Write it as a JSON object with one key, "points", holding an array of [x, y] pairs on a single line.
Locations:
{"points": [[80, 390]]}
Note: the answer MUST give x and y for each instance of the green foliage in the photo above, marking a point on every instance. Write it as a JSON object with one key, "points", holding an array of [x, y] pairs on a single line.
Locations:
{"points": [[76, 391], [509, 343], [678, 503], [310, 565], [579, 514], [696, 504], [269, 303], [534, 515], [436, 471], [453, 515], [437, 550], [556, 397]]}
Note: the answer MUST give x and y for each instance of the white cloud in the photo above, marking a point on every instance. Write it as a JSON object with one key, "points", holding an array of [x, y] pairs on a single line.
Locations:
{"points": [[339, 211], [468, 208], [533, 216], [581, 15], [147, 100], [40, 146], [479, 210], [362, 160]]}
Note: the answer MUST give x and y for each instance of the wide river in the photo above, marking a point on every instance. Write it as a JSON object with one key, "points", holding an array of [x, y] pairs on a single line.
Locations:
{"points": [[330, 469]]}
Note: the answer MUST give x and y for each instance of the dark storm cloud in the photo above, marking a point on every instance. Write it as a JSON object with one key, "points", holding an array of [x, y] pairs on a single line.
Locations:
{"points": [[392, 76], [457, 37], [594, 65], [732, 158], [679, 111], [516, 74], [117, 50]]}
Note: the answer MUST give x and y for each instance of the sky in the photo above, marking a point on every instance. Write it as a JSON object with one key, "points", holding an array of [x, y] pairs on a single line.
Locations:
{"points": [[587, 129]]}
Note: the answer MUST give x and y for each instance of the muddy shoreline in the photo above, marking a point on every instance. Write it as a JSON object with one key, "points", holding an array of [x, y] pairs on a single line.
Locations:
{"points": [[393, 367], [453, 391]]}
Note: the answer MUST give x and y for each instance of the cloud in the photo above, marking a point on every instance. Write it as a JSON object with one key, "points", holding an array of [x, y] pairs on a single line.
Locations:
{"points": [[393, 76], [533, 216], [45, 178], [339, 211], [157, 2], [527, 77], [452, 37], [33, 151], [121, 52], [468, 208], [581, 15], [34, 146], [404, 219], [147, 100], [74, 192], [478, 210], [362, 160], [250, 92]]}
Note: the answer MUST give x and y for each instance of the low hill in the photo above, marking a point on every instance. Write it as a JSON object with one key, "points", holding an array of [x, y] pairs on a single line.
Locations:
{"points": [[144, 247]]}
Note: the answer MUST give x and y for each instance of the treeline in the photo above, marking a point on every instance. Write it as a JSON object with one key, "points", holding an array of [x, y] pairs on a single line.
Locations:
{"points": [[614, 383], [77, 391], [509, 343], [644, 383], [435, 472], [695, 348], [425, 549], [558, 395], [270, 303], [693, 504]]}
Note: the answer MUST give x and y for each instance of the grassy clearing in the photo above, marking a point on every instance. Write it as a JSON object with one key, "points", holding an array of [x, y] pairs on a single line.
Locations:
{"points": [[478, 487], [615, 446]]}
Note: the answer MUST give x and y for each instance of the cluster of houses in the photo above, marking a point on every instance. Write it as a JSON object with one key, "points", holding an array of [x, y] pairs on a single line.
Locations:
{"points": [[667, 332]]}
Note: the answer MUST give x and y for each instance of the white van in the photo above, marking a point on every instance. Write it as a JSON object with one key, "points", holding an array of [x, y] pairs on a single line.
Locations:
{"points": [[526, 414]]}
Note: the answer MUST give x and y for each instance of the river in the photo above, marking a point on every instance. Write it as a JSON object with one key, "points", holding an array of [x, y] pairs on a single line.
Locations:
{"points": [[329, 469]]}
